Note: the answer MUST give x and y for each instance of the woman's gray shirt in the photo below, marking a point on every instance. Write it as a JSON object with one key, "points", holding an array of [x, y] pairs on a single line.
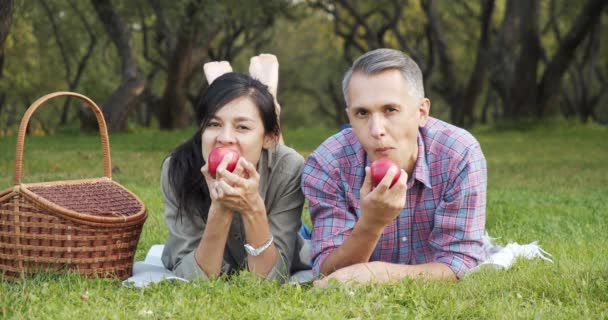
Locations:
{"points": [[280, 170]]}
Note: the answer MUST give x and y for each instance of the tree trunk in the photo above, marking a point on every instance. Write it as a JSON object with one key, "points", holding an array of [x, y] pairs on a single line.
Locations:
{"points": [[172, 106], [82, 63], [183, 53], [504, 46], [335, 93], [523, 84], [477, 81], [461, 98], [116, 108], [6, 14], [450, 88], [551, 82]]}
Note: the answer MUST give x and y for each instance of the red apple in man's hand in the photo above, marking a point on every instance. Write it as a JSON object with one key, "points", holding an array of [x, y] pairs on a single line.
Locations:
{"points": [[217, 155], [379, 169]]}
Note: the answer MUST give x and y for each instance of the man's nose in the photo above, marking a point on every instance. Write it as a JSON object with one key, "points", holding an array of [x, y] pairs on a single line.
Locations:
{"points": [[377, 126]]}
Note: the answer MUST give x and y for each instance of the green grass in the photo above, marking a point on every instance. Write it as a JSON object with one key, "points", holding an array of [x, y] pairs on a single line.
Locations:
{"points": [[545, 184]]}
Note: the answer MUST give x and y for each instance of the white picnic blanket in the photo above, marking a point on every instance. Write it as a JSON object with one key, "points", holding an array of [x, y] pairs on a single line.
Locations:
{"points": [[152, 270], [501, 258]]}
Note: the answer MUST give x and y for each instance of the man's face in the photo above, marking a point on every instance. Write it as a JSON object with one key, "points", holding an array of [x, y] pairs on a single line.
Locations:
{"points": [[385, 116]]}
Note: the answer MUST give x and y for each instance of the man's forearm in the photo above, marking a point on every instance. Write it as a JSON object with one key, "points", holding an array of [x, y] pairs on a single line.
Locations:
{"points": [[357, 248], [431, 271], [381, 272]]}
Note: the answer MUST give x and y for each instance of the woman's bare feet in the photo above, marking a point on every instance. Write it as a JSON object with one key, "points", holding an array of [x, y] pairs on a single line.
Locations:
{"points": [[214, 69], [265, 67]]}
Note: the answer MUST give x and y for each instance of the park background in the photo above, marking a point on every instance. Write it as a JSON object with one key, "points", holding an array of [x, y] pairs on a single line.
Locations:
{"points": [[528, 78]]}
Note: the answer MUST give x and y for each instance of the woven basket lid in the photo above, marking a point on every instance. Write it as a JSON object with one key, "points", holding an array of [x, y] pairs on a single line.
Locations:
{"points": [[97, 201]]}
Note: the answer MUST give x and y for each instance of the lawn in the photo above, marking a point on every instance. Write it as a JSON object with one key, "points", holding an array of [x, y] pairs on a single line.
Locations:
{"points": [[546, 184]]}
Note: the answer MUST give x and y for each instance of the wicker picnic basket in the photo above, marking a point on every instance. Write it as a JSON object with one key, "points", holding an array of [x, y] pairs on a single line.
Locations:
{"points": [[88, 226]]}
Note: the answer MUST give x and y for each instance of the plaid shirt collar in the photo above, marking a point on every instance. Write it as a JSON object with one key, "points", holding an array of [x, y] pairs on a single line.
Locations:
{"points": [[422, 173]]}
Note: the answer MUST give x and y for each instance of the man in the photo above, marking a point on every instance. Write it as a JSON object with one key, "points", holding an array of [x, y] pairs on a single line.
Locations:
{"points": [[431, 221]]}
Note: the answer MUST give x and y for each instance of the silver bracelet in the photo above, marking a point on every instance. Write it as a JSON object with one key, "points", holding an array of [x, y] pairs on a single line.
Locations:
{"points": [[258, 251]]}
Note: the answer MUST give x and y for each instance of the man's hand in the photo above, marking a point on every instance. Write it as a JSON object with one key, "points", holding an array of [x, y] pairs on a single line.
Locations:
{"points": [[383, 204], [214, 69], [379, 207], [367, 272]]}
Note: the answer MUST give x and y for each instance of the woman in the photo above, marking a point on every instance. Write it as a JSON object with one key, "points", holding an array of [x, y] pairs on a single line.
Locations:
{"points": [[247, 219]]}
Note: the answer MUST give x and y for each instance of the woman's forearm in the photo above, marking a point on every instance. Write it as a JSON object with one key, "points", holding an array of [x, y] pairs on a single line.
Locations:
{"points": [[257, 234], [210, 251]]}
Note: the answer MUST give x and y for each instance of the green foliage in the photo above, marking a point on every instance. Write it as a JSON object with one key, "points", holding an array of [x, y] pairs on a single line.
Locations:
{"points": [[34, 65], [313, 56], [311, 62], [546, 183]]}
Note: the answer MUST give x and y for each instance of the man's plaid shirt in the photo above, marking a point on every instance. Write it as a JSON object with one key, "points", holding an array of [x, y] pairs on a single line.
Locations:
{"points": [[443, 218]]}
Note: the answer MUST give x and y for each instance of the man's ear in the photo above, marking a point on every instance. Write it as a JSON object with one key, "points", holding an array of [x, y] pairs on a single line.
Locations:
{"points": [[424, 108], [348, 114]]}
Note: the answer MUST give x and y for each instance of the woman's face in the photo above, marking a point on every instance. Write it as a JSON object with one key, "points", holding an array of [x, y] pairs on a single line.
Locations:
{"points": [[238, 126]]}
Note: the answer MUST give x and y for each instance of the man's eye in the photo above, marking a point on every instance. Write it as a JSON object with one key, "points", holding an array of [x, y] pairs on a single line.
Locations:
{"points": [[243, 128], [361, 113], [391, 110]]}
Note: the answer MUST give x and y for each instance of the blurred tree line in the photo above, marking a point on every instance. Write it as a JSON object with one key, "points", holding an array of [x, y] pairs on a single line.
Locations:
{"points": [[484, 61]]}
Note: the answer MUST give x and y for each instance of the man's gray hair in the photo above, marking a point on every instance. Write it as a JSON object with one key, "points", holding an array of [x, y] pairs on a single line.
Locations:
{"points": [[376, 61]]}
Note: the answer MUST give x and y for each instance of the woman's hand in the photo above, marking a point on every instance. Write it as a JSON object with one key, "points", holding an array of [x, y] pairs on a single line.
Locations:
{"points": [[214, 69], [239, 190], [212, 183]]}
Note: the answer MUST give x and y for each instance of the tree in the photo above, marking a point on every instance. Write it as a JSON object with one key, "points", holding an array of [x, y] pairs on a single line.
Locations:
{"points": [[582, 97], [363, 26], [117, 106], [6, 14], [311, 69], [551, 81], [72, 78], [186, 34], [461, 97], [519, 53], [180, 51], [512, 57]]}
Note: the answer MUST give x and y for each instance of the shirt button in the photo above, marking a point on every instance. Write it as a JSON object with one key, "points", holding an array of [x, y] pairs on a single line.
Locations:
{"points": [[404, 239]]}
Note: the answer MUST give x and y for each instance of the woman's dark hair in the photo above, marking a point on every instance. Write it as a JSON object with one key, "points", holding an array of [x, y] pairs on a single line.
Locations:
{"points": [[185, 178]]}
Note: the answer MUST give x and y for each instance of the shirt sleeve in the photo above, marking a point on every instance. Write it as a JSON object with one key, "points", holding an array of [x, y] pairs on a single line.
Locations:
{"points": [[184, 236], [460, 216], [285, 215], [332, 221]]}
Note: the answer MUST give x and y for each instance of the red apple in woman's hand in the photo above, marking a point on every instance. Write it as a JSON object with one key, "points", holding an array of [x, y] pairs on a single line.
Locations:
{"points": [[379, 169], [217, 155]]}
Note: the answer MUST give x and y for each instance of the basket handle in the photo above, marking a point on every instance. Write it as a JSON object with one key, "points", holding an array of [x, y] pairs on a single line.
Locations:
{"points": [[103, 131]]}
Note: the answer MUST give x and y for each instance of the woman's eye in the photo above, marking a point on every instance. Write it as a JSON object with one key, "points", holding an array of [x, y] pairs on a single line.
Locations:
{"points": [[241, 127], [391, 110], [213, 124]]}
